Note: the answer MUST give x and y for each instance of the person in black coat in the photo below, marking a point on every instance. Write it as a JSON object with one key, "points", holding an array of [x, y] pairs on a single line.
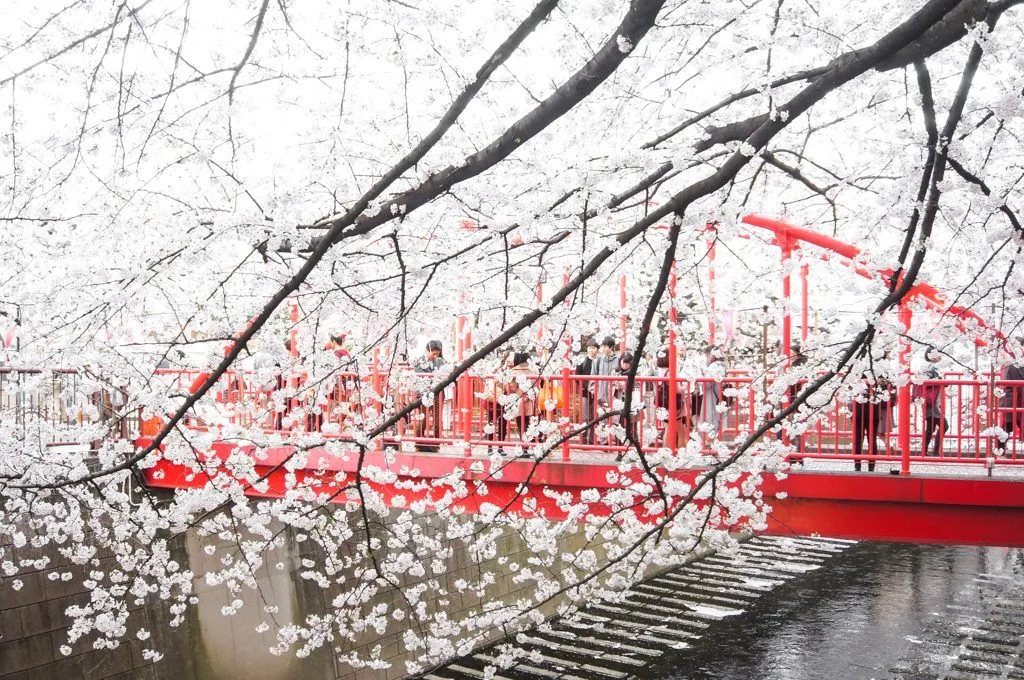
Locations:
{"points": [[428, 424], [1012, 401], [588, 366]]}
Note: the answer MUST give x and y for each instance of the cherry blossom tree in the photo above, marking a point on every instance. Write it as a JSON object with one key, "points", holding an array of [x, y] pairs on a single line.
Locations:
{"points": [[178, 175]]}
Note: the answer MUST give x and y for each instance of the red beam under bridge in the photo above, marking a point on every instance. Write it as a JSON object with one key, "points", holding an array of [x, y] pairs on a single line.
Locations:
{"points": [[921, 508]]}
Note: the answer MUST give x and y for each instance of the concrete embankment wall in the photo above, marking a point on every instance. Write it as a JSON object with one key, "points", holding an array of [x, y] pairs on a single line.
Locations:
{"points": [[211, 646]]}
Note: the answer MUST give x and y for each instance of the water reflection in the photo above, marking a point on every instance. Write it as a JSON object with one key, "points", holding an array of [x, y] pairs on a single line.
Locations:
{"points": [[852, 619]]}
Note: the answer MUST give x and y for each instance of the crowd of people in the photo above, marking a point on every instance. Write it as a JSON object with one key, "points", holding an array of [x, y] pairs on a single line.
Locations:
{"points": [[524, 396], [874, 410], [523, 390]]}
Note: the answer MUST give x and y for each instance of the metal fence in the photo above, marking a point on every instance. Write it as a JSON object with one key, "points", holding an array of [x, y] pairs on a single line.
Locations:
{"points": [[63, 397]]}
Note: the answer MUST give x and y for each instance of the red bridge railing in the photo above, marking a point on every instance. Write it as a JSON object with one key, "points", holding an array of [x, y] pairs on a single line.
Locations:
{"points": [[954, 416], [63, 397]]}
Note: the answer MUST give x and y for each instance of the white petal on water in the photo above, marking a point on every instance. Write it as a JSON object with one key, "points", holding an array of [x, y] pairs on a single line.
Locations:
{"points": [[713, 610]]}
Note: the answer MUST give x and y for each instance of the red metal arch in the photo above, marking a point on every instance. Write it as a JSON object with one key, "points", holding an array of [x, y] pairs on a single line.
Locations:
{"points": [[789, 236]]}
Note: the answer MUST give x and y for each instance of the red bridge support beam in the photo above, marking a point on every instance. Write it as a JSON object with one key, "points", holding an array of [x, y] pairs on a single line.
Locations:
{"points": [[920, 509], [671, 428], [803, 307]]}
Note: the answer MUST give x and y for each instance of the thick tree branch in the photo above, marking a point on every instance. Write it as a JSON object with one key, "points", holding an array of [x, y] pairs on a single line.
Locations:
{"points": [[731, 132], [940, 36]]}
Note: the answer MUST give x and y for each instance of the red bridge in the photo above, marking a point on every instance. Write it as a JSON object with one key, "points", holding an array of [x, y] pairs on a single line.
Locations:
{"points": [[972, 492]]}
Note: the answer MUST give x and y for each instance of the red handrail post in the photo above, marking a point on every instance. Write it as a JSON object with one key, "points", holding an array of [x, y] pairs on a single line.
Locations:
{"points": [[465, 406], [623, 316], [378, 392], [566, 393], [803, 306], [673, 385], [787, 323], [711, 227], [903, 393]]}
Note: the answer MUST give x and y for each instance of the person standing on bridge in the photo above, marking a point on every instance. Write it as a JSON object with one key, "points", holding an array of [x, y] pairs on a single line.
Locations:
{"points": [[711, 388], [607, 364], [336, 344], [268, 379], [932, 393], [588, 388], [550, 391], [663, 396], [625, 365], [493, 391], [867, 410], [1012, 401], [521, 385], [798, 359], [343, 402], [431, 363]]}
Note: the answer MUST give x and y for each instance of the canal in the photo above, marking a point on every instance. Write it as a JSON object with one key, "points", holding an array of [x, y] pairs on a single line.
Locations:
{"points": [[904, 612], [792, 609]]}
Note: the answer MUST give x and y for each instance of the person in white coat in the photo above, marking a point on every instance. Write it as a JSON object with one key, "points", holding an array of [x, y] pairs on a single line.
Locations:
{"points": [[711, 390]]}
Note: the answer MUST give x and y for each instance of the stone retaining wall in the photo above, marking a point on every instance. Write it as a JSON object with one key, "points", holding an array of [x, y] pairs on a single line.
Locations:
{"points": [[209, 645]]}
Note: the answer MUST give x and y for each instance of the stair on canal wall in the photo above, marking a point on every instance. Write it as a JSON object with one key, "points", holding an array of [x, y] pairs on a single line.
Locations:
{"points": [[667, 613]]}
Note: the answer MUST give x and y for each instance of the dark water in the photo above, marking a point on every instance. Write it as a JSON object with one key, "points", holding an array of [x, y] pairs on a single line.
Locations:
{"points": [[856, 617]]}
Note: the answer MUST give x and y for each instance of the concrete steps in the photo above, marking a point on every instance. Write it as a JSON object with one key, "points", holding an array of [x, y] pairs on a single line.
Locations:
{"points": [[669, 612]]}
